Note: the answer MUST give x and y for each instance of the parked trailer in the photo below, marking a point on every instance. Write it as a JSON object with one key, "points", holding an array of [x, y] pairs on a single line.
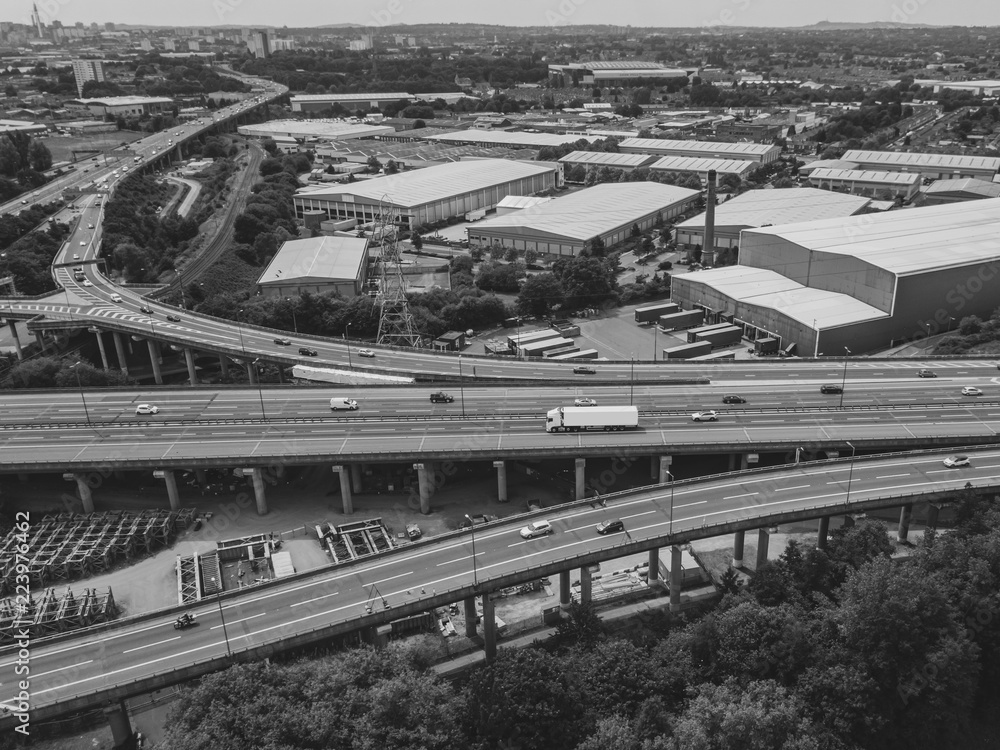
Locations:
{"points": [[679, 320], [577, 418], [715, 356], [652, 313], [528, 337], [582, 354], [553, 353], [538, 348], [768, 345], [722, 336], [693, 334], [687, 351]]}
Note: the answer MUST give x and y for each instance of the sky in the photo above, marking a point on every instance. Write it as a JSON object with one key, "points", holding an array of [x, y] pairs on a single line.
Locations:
{"points": [[378, 13]]}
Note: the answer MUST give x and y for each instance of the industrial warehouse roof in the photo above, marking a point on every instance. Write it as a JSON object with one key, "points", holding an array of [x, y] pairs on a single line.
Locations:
{"points": [[521, 201], [351, 97], [591, 212], [768, 289], [968, 187], [316, 259], [511, 138], [607, 159], [737, 167], [314, 129], [123, 101], [933, 161], [707, 148], [911, 241], [433, 183], [781, 206], [866, 175], [826, 164]]}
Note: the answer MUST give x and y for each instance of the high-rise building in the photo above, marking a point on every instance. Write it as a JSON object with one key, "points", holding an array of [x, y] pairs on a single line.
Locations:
{"points": [[87, 70], [36, 21], [258, 44]]}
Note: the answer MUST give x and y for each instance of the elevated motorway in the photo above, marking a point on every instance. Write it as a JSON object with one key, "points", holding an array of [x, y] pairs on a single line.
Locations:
{"points": [[109, 663]]}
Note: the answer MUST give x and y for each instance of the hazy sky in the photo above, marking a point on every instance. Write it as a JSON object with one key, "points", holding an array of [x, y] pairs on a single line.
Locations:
{"points": [[514, 12]]}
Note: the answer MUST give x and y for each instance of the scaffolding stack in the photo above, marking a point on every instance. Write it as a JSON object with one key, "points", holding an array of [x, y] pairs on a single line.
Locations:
{"points": [[50, 613], [188, 579], [67, 546], [351, 541]]}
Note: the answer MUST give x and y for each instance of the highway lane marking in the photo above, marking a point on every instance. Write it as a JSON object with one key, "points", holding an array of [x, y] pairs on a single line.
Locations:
{"points": [[101, 640], [893, 476], [458, 559], [390, 578], [151, 645], [314, 599], [736, 497], [237, 622], [36, 675], [797, 487]]}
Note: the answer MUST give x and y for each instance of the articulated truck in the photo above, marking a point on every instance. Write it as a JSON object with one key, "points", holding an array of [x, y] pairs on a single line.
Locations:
{"points": [[576, 418]]}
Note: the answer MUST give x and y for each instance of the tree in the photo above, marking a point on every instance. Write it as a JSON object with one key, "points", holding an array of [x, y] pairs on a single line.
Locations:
{"points": [[10, 159], [391, 167], [539, 294], [374, 165], [270, 146], [581, 626], [271, 166], [861, 543], [417, 241], [39, 156], [587, 282]]}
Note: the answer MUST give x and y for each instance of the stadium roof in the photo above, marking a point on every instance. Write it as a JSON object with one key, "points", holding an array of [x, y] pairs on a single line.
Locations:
{"points": [[968, 186], [433, 184], [866, 175], [507, 137], [911, 241], [660, 145], [768, 289], [318, 258], [608, 159], [737, 167], [923, 160], [781, 206], [593, 211]]}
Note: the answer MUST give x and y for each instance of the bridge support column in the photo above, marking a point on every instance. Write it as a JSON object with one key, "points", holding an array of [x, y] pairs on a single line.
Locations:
{"points": [[257, 477], [586, 585], [501, 467], [356, 477], [40, 340], [192, 372], [201, 476], [733, 461], [665, 474], [763, 537], [252, 373], [121, 727], [120, 352], [470, 616], [932, 515], [905, 514], [739, 538], [654, 567], [224, 365], [83, 490], [676, 572], [345, 489], [425, 483], [281, 374], [581, 477], [170, 479], [12, 325], [100, 346], [823, 532], [154, 358], [565, 592], [489, 629]]}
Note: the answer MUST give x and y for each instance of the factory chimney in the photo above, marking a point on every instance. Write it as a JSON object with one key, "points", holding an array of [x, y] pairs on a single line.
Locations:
{"points": [[708, 246]]}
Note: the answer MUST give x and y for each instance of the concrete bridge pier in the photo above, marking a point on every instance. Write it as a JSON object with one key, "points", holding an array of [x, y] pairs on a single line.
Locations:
{"points": [[170, 479], [932, 515], [425, 483], [501, 467], [121, 727], [565, 592], [100, 347], [905, 516], [224, 365], [120, 352], [252, 373], [154, 358], [470, 616], [189, 360], [12, 325], [40, 340], [763, 537], [201, 476], [664, 475], [356, 477], [581, 477], [345, 489], [739, 539], [257, 478], [676, 572], [489, 629], [83, 490], [586, 585], [823, 532], [654, 567]]}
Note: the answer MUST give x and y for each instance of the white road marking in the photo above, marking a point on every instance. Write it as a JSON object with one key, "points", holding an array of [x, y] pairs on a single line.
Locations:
{"points": [[151, 645]]}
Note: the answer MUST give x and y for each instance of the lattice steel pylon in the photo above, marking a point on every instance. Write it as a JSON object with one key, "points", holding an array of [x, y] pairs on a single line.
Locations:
{"points": [[395, 325]]}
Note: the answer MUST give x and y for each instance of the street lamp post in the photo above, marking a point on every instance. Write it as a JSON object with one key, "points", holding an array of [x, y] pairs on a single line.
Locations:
{"points": [[260, 393], [79, 384], [229, 650], [475, 571], [670, 530], [347, 340], [295, 322], [843, 381], [461, 384], [656, 330], [850, 476], [631, 378]]}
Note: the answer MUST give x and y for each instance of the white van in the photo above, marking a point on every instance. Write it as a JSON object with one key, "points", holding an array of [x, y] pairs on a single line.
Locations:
{"points": [[116, 298], [340, 404]]}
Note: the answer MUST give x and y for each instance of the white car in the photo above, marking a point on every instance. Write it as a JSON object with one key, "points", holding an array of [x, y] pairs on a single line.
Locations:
{"points": [[366, 353], [87, 283], [538, 528], [705, 416], [953, 462], [147, 409], [970, 390], [584, 402], [76, 256]]}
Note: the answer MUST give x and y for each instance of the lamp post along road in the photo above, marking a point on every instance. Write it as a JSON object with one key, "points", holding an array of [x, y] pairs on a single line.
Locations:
{"points": [[347, 340], [670, 528], [475, 572], [850, 476], [461, 383], [79, 384], [843, 381]]}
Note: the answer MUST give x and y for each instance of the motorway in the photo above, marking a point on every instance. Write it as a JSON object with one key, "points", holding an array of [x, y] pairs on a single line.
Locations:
{"points": [[443, 569]]}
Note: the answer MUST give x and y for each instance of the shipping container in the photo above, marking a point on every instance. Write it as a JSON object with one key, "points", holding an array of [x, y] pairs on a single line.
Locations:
{"points": [[694, 333], [767, 345], [679, 320], [687, 351], [651, 313], [721, 337], [528, 337], [538, 348]]}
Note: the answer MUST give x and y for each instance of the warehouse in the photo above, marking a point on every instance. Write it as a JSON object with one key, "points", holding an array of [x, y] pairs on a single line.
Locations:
{"points": [[756, 152], [506, 138], [885, 185], [305, 129], [319, 102], [411, 155], [612, 73], [955, 191], [318, 265], [758, 208], [862, 284], [933, 166], [687, 165], [113, 106], [561, 228], [425, 196], [598, 159]]}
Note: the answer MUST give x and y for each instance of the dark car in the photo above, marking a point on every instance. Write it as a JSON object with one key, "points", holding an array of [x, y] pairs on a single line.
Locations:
{"points": [[441, 398], [145, 310], [173, 319], [926, 374], [282, 342], [584, 371], [733, 400], [831, 389], [308, 352], [610, 527]]}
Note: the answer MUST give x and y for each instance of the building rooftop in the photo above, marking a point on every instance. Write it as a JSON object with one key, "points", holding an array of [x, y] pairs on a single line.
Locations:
{"points": [[123, 101], [507, 137], [593, 211], [910, 241], [923, 160], [351, 97], [659, 145], [607, 158], [867, 175], [737, 167], [434, 183], [521, 201], [780, 206], [316, 259], [967, 185], [315, 128]]}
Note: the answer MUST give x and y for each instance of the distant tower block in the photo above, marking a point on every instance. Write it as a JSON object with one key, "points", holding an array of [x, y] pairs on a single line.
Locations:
{"points": [[395, 325]]}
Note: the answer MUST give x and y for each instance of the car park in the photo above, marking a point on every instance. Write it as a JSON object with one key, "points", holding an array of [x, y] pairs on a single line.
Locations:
{"points": [[442, 398], [282, 342], [584, 402], [173, 319], [971, 390], [307, 351], [147, 409], [536, 529], [953, 462], [926, 374], [366, 353], [831, 389], [733, 400], [610, 527], [584, 371], [705, 416]]}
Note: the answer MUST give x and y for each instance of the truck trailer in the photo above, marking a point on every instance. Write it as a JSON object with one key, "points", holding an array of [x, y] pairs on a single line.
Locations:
{"points": [[652, 313], [688, 351], [683, 319], [694, 334], [721, 337], [577, 418]]}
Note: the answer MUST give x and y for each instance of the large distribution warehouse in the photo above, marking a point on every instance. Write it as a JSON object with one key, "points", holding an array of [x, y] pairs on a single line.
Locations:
{"points": [[701, 167], [563, 226], [858, 284], [933, 166], [313, 129], [432, 194], [756, 152], [317, 265], [887, 185]]}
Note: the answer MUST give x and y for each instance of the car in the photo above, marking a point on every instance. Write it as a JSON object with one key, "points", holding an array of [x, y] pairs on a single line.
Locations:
{"points": [[705, 416], [83, 243], [536, 529], [733, 400], [173, 319], [584, 371], [308, 352], [831, 389], [90, 226], [926, 374], [147, 409], [87, 283], [282, 342], [146, 310], [971, 390], [953, 462], [584, 402], [366, 353], [76, 256], [610, 527], [442, 398]]}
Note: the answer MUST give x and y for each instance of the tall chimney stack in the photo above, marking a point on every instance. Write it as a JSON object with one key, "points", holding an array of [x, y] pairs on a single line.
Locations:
{"points": [[708, 246]]}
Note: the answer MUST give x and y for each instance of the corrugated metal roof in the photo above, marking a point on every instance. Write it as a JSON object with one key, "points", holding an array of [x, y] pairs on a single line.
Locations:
{"points": [[314, 128], [514, 138], [911, 241], [659, 145], [607, 158], [968, 185], [521, 201], [318, 258], [922, 160], [737, 167], [780, 206], [866, 175], [432, 184], [592, 212], [351, 97]]}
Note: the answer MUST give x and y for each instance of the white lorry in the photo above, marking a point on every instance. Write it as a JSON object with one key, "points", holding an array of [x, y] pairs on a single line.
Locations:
{"points": [[576, 418]]}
